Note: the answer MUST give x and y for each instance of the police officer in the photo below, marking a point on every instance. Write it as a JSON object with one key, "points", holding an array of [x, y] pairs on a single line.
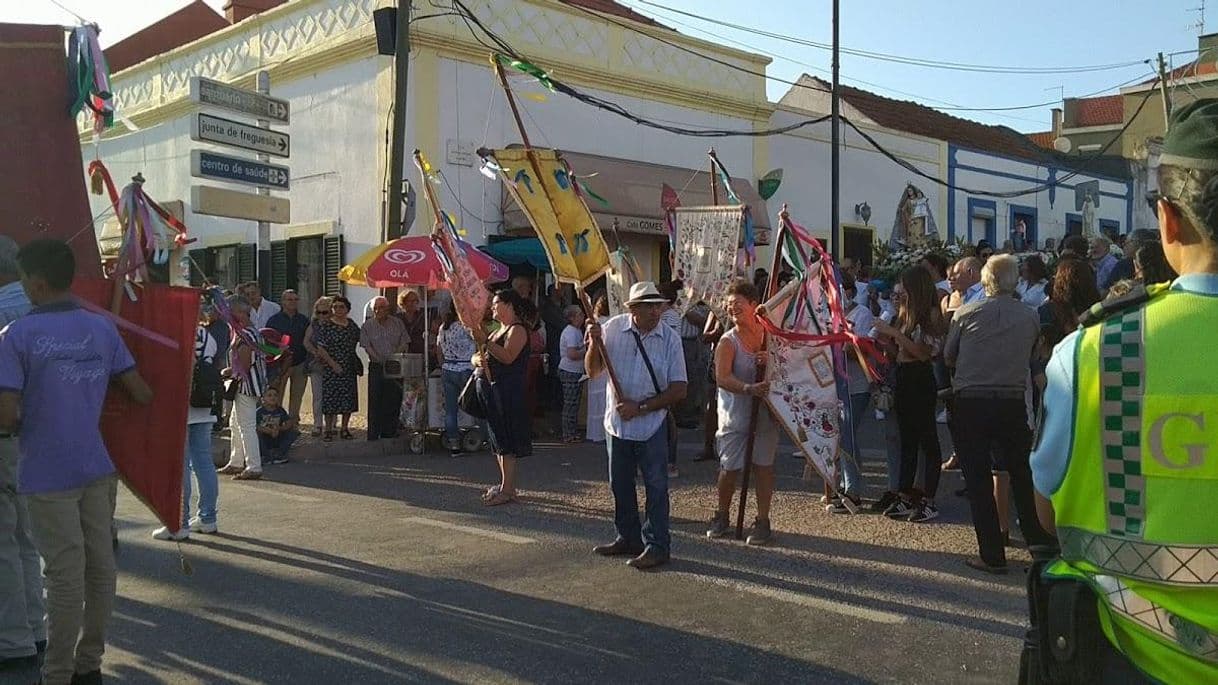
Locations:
{"points": [[1126, 460]]}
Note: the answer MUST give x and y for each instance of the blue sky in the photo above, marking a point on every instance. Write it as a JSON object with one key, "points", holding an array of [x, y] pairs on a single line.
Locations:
{"points": [[1029, 33]]}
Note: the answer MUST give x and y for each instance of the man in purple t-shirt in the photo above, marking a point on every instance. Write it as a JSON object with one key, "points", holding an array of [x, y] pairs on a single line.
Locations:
{"points": [[56, 364]]}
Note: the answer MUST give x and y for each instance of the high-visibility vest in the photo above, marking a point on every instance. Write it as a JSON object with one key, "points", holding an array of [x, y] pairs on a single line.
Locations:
{"points": [[1136, 512]]}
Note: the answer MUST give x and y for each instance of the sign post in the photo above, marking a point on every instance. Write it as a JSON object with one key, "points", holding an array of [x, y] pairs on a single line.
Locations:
{"points": [[264, 228], [259, 139]]}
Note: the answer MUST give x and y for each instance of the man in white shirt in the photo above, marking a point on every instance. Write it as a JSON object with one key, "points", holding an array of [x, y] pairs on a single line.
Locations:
{"points": [[649, 365], [261, 310], [968, 280]]}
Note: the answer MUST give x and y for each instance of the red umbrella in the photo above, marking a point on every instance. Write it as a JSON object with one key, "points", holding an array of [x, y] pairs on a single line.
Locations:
{"points": [[413, 261]]}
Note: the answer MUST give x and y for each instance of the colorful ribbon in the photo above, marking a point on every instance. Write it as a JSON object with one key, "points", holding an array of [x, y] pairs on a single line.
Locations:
{"points": [[90, 84]]}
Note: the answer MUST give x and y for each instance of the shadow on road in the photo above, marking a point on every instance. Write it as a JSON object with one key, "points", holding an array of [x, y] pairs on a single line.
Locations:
{"points": [[362, 623]]}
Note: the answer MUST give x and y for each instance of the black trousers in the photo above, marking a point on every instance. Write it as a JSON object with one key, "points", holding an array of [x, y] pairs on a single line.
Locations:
{"points": [[914, 398], [384, 402], [998, 426]]}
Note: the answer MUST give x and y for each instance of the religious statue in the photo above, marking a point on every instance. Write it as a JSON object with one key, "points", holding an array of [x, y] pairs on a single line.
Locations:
{"points": [[915, 224]]}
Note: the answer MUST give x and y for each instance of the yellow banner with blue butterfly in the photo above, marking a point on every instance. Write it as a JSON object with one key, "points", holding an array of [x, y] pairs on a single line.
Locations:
{"points": [[552, 197]]}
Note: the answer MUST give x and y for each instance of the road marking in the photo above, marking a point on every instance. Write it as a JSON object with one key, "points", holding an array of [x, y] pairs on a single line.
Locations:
{"points": [[288, 495], [801, 599], [483, 532]]}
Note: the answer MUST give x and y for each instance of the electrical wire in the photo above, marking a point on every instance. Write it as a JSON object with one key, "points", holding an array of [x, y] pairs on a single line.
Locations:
{"points": [[472, 20], [915, 61], [1076, 171]]}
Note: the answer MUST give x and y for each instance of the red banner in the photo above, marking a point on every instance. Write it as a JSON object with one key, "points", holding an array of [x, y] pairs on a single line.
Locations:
{"points": [[147, 444]]}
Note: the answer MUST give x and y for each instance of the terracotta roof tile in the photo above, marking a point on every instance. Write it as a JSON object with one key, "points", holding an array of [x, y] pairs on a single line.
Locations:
{"points": [[614, 8], [1043, 138], [911, 117], [1101, 111], [188, 24]]}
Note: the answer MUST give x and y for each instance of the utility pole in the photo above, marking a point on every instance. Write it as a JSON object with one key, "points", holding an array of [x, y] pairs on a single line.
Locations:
{"points": [[835, 179], [1163, 91], [397, 145], [264, 228]]}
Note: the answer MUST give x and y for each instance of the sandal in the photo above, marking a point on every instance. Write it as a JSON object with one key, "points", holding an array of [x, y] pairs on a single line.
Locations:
{"points": [[346, 435], [500, 498], [492, 491]]}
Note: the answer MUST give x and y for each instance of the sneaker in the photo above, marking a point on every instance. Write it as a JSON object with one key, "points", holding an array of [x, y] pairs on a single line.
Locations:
{"points": [[673, 472], [881, 505], [248, 475], [718, 526], [198, 526], [163, 533], [941, 417], [925, 512], [454, 451], [846, 504], [760, 535], [879, 415], [278, 459], [899, 509]]}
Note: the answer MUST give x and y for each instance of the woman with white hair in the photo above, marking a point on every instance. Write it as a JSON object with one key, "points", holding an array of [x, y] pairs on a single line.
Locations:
{"points": [[571, 371]]}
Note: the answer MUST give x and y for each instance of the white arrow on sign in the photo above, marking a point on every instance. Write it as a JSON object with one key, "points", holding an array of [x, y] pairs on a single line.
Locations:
{"points": [[211, 129], [205, 91]]}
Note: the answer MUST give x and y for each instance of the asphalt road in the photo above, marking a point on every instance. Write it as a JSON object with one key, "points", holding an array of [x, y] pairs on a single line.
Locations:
{"points": [[387, 569]]}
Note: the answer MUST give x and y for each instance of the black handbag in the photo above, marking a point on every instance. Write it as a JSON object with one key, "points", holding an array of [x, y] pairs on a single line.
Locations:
{"points": [[230, 388], [469, 401]]}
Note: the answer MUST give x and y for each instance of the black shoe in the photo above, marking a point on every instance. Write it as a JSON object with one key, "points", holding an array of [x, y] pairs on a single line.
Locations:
{"points": [[981, 565], [718, 526], [650, 558], [619, 548], [90, 678], [881, 505]]}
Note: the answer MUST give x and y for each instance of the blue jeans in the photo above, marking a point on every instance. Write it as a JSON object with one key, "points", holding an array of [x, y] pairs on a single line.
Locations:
{"points": [[198, 461], [852, 478], [454, 383], [651, 457], [269, 446]]}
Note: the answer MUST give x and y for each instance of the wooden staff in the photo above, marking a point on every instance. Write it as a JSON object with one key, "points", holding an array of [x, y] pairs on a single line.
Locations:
{"points": [[775, 260], [584, 299], [713, 174]]}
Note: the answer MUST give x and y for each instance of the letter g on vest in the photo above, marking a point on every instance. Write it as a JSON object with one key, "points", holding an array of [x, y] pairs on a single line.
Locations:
{"points": [[1177, 435]]}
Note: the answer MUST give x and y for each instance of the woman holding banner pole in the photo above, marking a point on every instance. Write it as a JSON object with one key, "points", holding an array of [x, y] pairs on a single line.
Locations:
{"points": [[743, 414]]}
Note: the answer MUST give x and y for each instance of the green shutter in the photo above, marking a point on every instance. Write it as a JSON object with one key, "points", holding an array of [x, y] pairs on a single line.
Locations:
{"points": [[332, 252], [247, 263], [199, 259], [279, 269]]}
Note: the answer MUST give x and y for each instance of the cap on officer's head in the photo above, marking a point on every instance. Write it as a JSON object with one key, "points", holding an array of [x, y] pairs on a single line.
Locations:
{"points": [[1192, 136]]}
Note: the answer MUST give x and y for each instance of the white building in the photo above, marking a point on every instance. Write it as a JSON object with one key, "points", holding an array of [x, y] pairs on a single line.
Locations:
{"points": [[322, 57]]}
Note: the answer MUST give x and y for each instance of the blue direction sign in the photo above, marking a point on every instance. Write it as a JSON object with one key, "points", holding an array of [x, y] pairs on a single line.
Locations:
{"points": [[205, 164]]}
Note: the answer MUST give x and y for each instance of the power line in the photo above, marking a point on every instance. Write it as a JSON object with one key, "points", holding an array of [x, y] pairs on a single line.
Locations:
{"points": [[614, 108], [915, 61]]}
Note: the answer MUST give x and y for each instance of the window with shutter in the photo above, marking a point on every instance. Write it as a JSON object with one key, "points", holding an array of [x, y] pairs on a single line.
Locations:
{"points": [[247, 263], [332, 256], [279, 269], [199, 267]]}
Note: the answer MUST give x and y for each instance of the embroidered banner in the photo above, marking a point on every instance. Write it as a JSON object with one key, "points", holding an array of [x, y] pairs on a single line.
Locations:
{"points": [[803, 379], [549, 194], [623, 273], [708, 239]]}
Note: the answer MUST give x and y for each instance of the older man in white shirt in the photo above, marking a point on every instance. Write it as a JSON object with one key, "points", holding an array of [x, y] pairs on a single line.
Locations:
{"points": [[261, 309], [649, 365]]}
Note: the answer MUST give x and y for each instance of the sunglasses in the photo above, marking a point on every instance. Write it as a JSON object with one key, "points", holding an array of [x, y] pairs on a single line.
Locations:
{"points": [[1153, 197]]}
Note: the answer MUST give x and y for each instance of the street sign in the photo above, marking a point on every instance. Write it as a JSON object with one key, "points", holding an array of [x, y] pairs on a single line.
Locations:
{"points": [[210, 129], [205, 164], [238, 205], [215, 94]]}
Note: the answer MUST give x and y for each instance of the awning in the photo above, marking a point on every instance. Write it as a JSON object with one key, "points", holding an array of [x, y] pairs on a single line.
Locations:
{"points": [[633, 192], [519, 251]]}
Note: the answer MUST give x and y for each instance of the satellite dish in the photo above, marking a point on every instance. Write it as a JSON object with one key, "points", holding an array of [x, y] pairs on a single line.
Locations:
{"points": [[1062, 144]]}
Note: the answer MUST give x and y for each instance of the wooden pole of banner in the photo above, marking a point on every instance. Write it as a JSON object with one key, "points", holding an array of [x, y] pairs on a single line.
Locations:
{"points": [[755, 410], [586, 301], [713, 173]]}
